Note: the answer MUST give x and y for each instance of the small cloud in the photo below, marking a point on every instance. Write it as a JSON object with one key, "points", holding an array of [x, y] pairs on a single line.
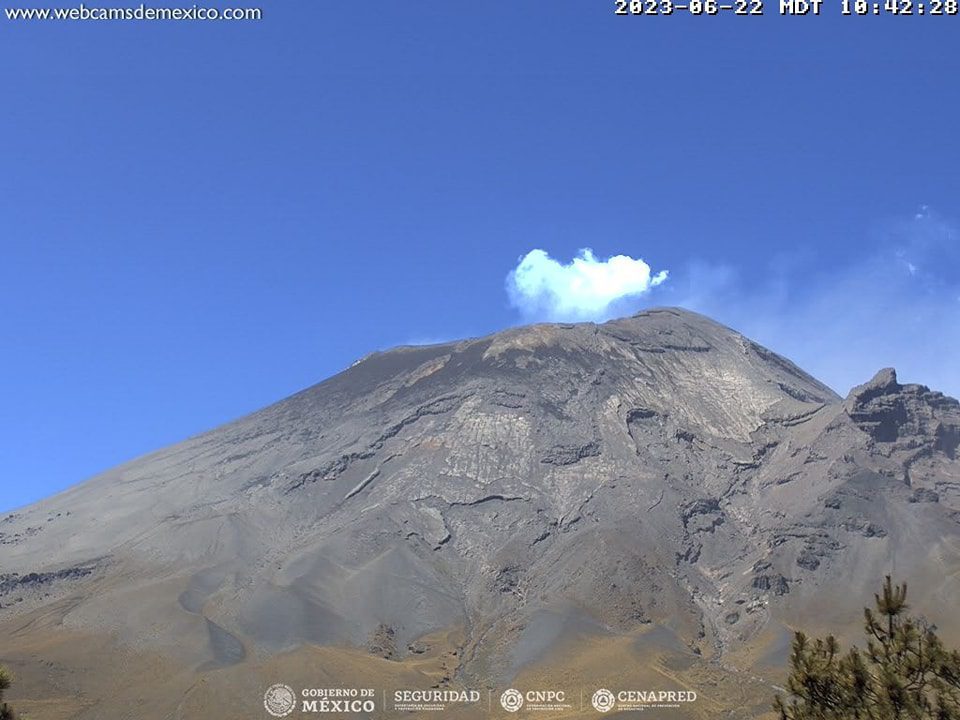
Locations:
{"points": [[424, 340], [893, 305], [586, 288]]}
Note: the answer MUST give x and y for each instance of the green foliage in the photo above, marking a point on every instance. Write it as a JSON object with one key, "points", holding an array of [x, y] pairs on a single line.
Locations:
{"points": [[905, 673], [6, 712]]}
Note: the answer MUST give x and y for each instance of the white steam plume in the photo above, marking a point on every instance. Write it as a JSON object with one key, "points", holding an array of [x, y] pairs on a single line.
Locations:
{"points": [[583, 289]]}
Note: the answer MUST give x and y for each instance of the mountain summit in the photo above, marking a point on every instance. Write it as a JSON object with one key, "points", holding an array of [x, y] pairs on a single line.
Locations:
{"points": [[656, 499]]}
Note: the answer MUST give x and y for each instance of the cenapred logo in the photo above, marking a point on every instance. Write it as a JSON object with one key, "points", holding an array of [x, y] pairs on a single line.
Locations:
{"points": [[603, 700], [511, 700], [280, 700]]}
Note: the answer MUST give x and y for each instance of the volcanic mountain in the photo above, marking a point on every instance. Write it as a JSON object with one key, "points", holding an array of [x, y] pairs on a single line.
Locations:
{"points": [[655, 501]]}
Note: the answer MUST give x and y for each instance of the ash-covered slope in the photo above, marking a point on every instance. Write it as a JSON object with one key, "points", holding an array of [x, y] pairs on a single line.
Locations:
{"points": [[511, 494]]}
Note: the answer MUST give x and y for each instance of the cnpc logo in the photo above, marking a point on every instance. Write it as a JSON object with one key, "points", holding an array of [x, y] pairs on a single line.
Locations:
{"points": [[513, 700]]}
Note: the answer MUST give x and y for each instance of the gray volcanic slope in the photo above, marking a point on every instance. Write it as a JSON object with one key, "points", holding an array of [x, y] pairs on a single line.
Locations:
{"points": [[533, 486]]}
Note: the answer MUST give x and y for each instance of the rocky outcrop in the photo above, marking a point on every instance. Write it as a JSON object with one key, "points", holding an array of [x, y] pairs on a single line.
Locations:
{"points": [[911, 414]]}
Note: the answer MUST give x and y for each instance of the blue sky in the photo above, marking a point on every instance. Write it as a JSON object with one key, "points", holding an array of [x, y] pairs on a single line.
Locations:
{"points": [[197, 219]]}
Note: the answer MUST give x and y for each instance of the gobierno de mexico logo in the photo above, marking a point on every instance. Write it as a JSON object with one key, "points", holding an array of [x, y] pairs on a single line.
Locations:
{"points": [[279, 700]]}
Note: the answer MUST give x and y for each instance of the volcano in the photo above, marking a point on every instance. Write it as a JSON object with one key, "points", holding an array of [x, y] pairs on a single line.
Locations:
{"points": [[652, 502]]}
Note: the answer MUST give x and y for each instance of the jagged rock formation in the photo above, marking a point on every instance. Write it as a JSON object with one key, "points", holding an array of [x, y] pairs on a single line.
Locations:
{"points": [[511, 494]]}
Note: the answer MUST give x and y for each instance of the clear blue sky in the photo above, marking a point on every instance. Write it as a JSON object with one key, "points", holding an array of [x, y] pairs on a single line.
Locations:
{"points": [[197, 219]]}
